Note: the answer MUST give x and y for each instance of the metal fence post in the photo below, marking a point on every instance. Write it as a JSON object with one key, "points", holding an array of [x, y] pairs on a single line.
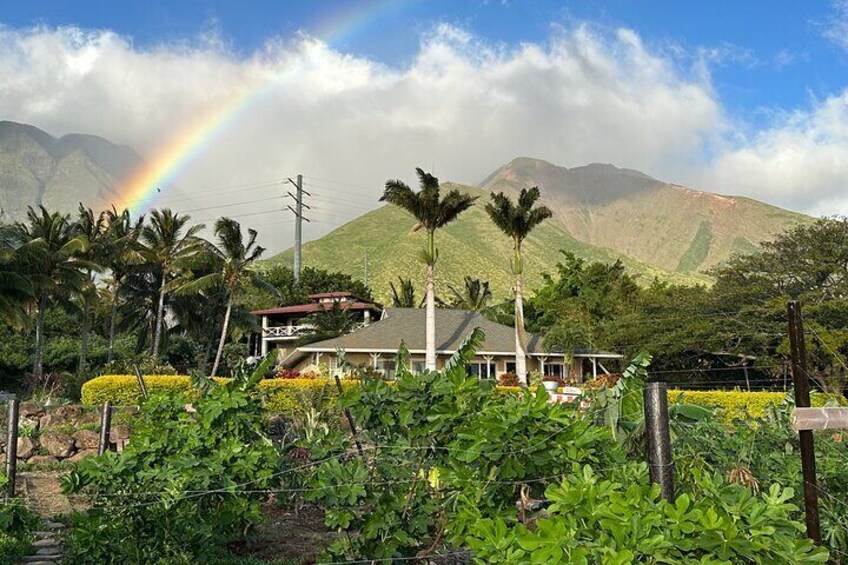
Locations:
{"points": [[660, 462], [105, 428], [12, 446]]}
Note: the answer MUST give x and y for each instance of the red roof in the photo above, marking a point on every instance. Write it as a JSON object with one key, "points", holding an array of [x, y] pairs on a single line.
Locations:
{"points": [[314, 306]]}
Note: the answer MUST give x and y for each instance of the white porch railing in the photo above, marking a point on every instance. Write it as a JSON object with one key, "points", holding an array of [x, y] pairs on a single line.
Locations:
{"points": [[286, 331]]}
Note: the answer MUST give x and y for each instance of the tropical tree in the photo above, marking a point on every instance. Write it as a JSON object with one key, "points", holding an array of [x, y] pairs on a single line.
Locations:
{"points": [[474, 295], [231, 258], [403, 295], [432, 212], [121, 252], [93, 227], [171, 247], [52, 257], [517, 220], [15, 289]]}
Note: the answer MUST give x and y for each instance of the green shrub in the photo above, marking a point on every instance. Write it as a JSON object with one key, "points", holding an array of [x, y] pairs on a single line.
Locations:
{"points": [[186, 483], [622, 520], [16, 527]]}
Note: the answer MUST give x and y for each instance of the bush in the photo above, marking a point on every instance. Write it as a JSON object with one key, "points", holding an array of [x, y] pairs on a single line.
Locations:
{"points": [[736, 404], [186, 484], [509, 379], [16, 527], [593, 519], [288, 397]]}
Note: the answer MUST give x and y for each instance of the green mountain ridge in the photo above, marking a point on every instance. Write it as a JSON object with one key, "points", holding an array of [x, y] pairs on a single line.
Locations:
{"points": [[601, 213], [472, 245], [59, 173]]}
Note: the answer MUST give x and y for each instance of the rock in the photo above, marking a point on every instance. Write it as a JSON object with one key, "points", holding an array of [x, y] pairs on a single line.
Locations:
{"points": [[42, 460], [30, 409], [119, 433], [82, 454], [47, 552], [26, 447], [89, 418], [58, 444], [33, 422], [86, 439], [46, 542]]}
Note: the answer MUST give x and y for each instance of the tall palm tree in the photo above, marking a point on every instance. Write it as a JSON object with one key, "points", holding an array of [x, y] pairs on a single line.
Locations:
{"points": [[432, 213], [517, 220], [475, 295], [15, 288], [170, 246], [52, 256], [93, 227], [232, 257], [121, 252]]}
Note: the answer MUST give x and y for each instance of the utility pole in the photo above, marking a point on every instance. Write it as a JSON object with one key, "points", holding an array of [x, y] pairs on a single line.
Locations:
{"points": [[298, 222], [798, 354], [366, 266]]}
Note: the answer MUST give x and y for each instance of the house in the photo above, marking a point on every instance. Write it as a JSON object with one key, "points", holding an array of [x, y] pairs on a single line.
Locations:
{"points": [[376, 346], [282, 327]]}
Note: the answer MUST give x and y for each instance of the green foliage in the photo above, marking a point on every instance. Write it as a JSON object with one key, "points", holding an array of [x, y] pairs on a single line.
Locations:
{"points": [[16, 527], [768, 451], [698, 249], [447, 450], [620, 519], [187, 482], [312, 281]]}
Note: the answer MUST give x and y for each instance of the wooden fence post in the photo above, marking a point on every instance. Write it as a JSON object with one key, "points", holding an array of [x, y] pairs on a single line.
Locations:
{"points": [[12, 446], [800, 379], [105, 428], [660, 462], [142, 387]]}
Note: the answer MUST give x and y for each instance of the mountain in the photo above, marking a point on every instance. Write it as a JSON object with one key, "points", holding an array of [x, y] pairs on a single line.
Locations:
{"points": [[37, 168], [601, 213], [670, 226]]}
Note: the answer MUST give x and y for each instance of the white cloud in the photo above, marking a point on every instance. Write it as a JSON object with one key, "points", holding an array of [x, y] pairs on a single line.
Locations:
{"points": [[835, 27], [462, 106]]}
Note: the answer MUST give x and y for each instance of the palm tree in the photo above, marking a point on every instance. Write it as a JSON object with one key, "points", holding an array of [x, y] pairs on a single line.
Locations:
{"points": [[121, 252], [52, 256], [15, 289], [475, 295], [232, 258], [329, 323], [432, 213], [93, 228], [171, 247], [403, 296], [517, 220]]}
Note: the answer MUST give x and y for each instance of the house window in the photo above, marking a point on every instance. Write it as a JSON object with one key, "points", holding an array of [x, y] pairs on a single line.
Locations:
{"points": [[555, 369], [510, 367], [387, 367], [478, 369], [417, 366]]}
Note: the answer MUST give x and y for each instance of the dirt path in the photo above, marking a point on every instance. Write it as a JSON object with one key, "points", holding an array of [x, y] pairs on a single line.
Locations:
{"points": [[42, 494]]}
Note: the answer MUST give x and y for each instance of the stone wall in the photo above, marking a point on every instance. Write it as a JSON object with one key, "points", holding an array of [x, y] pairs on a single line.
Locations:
{"points": [[48, 435]]}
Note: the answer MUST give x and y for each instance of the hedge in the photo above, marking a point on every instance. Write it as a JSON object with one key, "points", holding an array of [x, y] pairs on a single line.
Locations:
{"points": [[290, 396], [284, 396]]}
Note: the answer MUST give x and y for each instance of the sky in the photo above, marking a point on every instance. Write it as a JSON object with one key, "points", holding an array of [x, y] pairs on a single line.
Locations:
{"points": [[231, 98]]}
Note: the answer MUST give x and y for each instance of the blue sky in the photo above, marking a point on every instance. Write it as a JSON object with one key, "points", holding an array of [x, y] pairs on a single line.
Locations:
{"points": [[768, 54], [740, 98]]}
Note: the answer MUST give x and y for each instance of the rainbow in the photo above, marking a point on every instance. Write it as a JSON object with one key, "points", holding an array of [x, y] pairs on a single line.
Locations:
{"points": [[144, 186]]}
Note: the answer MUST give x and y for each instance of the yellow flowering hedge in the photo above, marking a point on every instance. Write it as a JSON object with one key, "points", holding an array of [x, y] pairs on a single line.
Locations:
{"points": [[284, 396], [292, 396]]}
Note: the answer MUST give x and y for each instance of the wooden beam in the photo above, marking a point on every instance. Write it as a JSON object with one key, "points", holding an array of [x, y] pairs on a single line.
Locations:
{"points": [[820, 419]]}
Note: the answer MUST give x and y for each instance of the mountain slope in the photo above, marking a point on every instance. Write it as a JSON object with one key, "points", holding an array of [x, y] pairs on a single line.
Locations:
{"points": [[472, 245], [37, 168], [667, 225]]}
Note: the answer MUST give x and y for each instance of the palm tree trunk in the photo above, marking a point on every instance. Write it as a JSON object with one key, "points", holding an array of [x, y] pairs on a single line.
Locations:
{"points": [[84, 331], [38, 362], [113, 317], [430, 326], [160, 312], [520, 355], [223, 337]]}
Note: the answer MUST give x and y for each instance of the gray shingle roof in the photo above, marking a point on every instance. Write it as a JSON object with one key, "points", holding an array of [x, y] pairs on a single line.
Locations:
{"points": [[407, 325]]}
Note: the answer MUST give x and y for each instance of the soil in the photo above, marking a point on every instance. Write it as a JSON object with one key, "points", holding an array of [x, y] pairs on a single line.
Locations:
{"points": [[286, 535]]}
